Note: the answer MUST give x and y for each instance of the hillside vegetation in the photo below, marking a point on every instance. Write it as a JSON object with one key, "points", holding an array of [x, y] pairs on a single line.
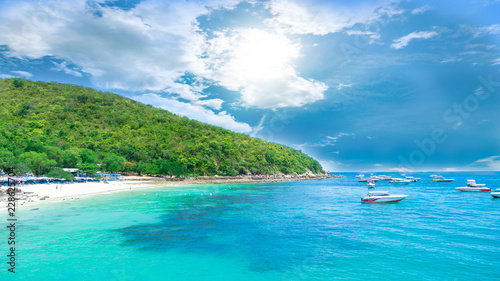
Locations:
{"points": [[45, 126]]}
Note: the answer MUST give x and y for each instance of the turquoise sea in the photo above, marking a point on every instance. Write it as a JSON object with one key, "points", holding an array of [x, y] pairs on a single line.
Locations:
{"points": [[310, 230]]}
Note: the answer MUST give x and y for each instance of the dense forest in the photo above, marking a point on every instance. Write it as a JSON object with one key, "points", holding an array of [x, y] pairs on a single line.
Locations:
{"points": [[47, 126]]}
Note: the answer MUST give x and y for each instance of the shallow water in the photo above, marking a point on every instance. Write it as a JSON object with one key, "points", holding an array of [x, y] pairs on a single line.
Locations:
{"points": [[312, 230]]}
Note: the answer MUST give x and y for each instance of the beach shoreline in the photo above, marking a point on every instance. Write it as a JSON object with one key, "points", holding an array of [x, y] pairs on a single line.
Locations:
{"points": [[41, 194]]}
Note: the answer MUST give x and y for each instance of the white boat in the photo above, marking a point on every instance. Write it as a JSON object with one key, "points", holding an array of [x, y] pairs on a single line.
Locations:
{"points": [[384, 178], [412, 179], [399, 181], [372, 179], [371, 185], [382, 197], [442, 179], [496, 193], [472, 186]]}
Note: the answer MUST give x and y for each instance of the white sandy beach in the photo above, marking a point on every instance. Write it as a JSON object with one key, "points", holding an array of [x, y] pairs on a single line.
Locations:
{"points": [[34, 194]]}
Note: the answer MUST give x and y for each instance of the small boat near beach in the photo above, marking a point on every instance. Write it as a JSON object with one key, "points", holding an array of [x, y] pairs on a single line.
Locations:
{"points": [[442, 179], [496, 193], [371, 185], [472, 186], [382, 197]]}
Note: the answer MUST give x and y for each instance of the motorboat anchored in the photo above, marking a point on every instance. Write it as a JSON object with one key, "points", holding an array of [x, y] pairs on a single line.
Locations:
{"points": [[384, 178], [368, 180], [371, 185], [472, 186], [382, 197], [442, 179], [496, 193], [412, 179], [400, 181]]}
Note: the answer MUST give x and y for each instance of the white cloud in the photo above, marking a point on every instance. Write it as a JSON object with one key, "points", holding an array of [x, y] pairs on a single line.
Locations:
{"points": [[405, 40], [212, 103], [491, 163], [259, 127], [493, 29], [496, 62], [372, 35], [378, 165], [197, 112], [341, 85], [259, 64], [153, 46], [24, 74], [323, 17], [338, 136], [450, 60], [420, 10], [63, 66], [469, 53], [148, 47], [5, 76], [327, 141], [400, 170]]}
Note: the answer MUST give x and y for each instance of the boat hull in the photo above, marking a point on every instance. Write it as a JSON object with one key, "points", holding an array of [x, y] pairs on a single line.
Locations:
{"points": [[383, 199], [495, 194], [473, 189], [445, 180]]}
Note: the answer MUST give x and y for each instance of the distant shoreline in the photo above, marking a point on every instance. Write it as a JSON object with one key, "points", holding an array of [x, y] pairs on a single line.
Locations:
{"points": [[41, 194]]}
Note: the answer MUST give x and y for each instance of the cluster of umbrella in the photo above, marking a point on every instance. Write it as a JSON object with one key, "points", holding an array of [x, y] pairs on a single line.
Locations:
{"points": [[42, 180]]}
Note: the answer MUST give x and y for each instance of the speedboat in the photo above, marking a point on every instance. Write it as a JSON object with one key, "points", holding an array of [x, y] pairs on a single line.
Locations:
{"points": [[442, 179], [399, 181], [382, 197], [368, 180], [472, 186], [412, 179], [371, 185], [384, 178], [496, 194]]}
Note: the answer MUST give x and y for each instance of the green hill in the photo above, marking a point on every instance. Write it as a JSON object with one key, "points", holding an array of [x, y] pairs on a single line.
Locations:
{"points": [[48, 125]]}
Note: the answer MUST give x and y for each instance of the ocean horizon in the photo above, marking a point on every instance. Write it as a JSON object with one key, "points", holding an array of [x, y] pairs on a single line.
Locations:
{"points": [[304, 230]]}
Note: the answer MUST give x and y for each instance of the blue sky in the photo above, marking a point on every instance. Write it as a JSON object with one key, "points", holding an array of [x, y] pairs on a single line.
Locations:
{"points": [[358, 85]]}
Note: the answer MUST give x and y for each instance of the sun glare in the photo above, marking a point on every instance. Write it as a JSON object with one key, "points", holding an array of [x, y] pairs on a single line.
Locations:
{"points": [[259, 54]]}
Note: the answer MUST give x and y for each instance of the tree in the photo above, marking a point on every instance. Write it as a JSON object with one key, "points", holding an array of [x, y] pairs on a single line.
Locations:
{"points": [[60, 174], [10, 164], [88, 168], [18, 82], [113, 163], [70, 158], [89, 156], [38, 163]]}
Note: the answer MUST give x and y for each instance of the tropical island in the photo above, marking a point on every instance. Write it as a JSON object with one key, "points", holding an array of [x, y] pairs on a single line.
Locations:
{"points": [[48, 126]]}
